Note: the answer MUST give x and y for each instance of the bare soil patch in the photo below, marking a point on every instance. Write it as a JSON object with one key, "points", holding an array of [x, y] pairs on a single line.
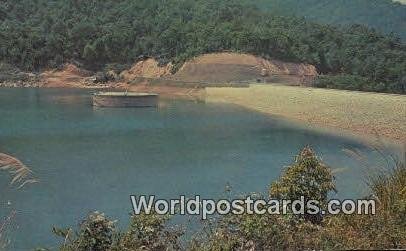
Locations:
{"points": [[235, 67], [223, 67], [148, 68], [69, 76]]}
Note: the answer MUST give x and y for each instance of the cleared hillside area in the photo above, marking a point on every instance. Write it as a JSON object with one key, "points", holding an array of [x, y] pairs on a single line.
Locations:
{"points": [[365, 113], [234, 67], [69, 76], [225, 68]]}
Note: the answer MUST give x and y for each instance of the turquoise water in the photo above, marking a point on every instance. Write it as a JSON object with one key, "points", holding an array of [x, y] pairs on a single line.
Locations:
{"points": [[94, 159]]}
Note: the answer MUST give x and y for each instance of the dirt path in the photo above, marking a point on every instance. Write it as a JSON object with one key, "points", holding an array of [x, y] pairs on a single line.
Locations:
{"points": [[360, 112]]}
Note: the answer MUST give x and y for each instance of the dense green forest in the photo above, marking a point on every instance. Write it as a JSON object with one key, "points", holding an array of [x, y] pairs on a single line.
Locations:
{"points": [[35, 34], [384, 15]]}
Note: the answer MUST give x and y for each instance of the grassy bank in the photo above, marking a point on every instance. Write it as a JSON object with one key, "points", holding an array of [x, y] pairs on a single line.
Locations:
{"points": [[364, 113]]}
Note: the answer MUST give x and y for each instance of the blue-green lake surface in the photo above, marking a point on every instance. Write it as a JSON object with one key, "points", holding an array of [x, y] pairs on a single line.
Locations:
{"points": [[94, 158]]}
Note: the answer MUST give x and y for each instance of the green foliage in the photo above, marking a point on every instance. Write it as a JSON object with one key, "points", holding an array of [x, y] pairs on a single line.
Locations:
{"points": [[386, 229], [383, 15], [42, 33], [307, 177], [358, 83], [264, 232], [349, 82], [267, 232], [95, 233], [10, 73], [146, 232], [389, 188]]}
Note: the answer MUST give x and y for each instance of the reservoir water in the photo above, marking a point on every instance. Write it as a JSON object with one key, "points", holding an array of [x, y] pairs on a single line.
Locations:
{"points": [[94, 158]]}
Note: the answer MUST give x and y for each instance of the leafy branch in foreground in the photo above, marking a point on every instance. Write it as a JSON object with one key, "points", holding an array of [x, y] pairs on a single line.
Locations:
{"points": [[21, 174]]}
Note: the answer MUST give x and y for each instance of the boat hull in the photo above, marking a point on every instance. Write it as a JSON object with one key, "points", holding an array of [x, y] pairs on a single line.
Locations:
{"points": [[125, 100]]}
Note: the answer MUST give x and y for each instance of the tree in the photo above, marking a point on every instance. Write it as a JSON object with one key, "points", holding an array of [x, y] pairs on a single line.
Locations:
{"points": [[307, 177], [95, 233]]}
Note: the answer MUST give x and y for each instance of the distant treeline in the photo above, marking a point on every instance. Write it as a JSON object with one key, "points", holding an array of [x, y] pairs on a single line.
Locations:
{"points": [[46, 33], [386, 16]]}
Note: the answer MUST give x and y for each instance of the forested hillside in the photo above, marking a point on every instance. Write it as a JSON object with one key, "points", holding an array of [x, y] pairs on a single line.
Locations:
{"points": [[384, 15], [44, 33]]}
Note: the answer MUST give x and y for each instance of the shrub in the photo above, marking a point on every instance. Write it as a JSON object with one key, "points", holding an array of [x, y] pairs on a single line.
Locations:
{"points": [[149, 232], [307, 177], [95, 233], [348, 82]]}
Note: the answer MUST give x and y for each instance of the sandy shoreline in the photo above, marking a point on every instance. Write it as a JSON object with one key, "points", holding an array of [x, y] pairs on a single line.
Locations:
{"points": [[359, 113]]}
